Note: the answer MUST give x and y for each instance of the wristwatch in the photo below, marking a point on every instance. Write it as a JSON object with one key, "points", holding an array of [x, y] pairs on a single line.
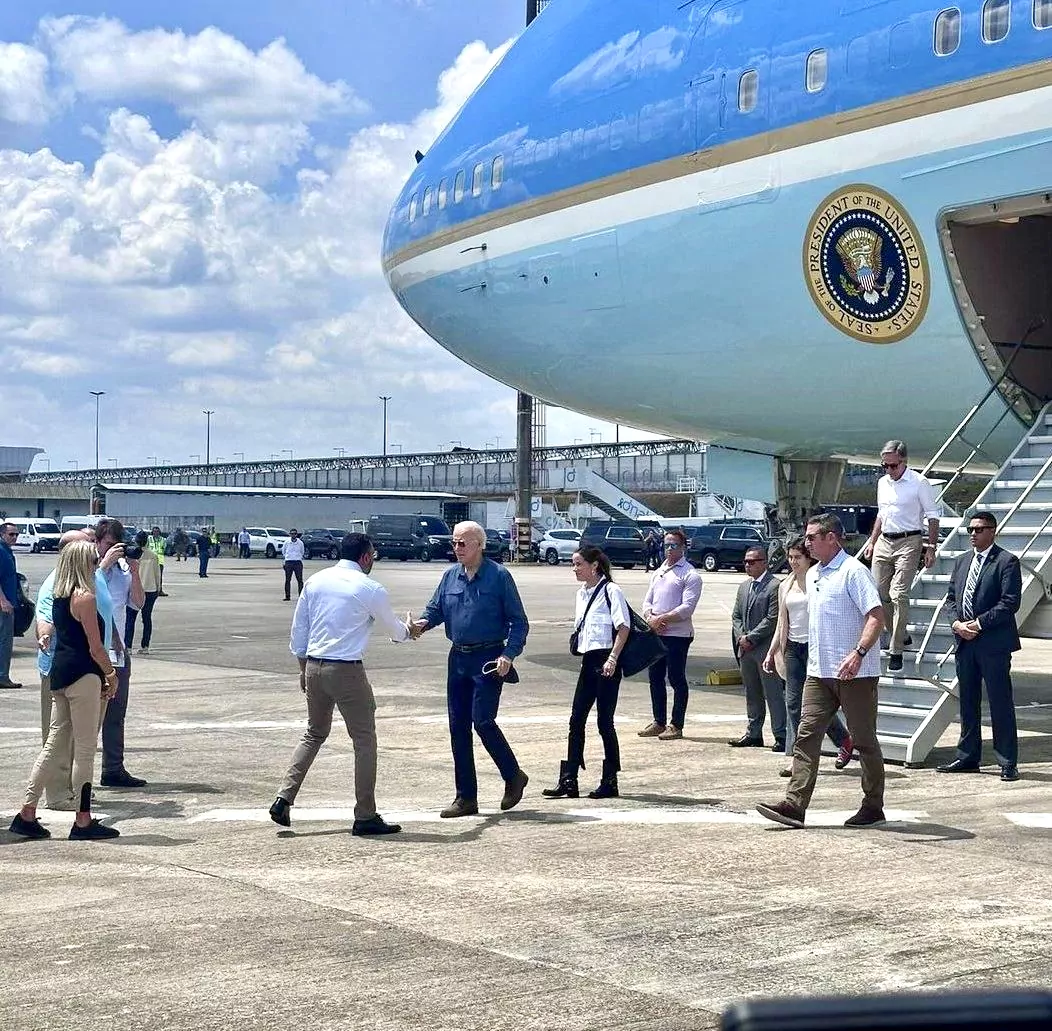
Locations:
{"points": [[861, 651]]}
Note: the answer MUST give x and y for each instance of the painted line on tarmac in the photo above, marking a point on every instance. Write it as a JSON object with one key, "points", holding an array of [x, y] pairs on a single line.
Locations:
{"points": [[1042, 820], [233, 725]]}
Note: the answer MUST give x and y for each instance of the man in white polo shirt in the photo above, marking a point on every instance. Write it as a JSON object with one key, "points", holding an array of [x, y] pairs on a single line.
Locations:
{"points": [[905, 501], [845, 617]]}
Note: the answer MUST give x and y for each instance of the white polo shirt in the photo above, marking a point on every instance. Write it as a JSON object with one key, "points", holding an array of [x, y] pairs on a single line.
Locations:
{"points": [[906, 503], [839, 596]]}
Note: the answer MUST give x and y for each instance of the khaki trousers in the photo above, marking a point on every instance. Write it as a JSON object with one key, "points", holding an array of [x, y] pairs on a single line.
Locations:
{"points": [[58, 788], [343, 686], [74, 723], [822, 698], [894, 568]]}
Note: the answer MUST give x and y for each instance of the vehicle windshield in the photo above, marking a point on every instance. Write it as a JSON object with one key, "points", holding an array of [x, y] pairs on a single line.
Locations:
{"points": [[46, 527], [277, 532], [433, 525]]}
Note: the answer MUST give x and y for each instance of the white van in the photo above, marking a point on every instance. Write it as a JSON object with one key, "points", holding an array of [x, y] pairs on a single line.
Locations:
{"points": [[36, 535], [79, 522]]}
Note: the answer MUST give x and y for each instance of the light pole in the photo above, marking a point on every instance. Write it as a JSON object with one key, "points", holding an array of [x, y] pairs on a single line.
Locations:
{"points": [[385, 398], [340, 451], [198, 457], [151, 458], [592, 434], [113, 460], [241, 454], [208, 413], [76, 465], [288, 451], [399, 446], [48, 460], [97, 394]]}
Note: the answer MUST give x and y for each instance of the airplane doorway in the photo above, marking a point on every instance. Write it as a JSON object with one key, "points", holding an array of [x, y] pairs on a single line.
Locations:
{"points": [[1000, 260]]}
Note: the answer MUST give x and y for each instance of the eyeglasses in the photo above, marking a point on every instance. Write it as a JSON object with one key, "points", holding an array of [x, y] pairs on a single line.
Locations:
{"points": [[673, 546], [979, 529], [808, 537], [461, 544], [890, 465], [753, 561]]}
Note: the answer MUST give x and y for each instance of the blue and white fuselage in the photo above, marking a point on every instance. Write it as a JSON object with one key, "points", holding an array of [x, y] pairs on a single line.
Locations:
{"points": [[796, 228]]}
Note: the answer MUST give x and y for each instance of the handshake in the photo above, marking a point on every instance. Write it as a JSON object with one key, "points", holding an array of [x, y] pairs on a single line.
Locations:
{"points": [[414, 627]]}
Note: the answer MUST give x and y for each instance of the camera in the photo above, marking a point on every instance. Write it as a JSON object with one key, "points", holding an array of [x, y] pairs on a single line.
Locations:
{"points": [[132, 551]]}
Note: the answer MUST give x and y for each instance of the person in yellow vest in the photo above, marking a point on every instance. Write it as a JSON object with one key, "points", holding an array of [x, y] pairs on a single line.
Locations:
{"points": [[155, 543], [214, 538]]}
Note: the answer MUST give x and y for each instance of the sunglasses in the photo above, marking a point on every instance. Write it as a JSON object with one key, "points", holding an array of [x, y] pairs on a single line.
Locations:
{"points": [[808, 537], [673, 546], [754, 561], [979, 529], [890, 465]]}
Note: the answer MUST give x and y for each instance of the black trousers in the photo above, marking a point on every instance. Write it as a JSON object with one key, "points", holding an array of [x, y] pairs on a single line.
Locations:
{"points": [[147, 621], [974, 667], [293, 569], [594, 689]]}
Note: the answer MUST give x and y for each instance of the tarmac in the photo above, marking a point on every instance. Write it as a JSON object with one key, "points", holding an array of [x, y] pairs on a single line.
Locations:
{"points": [[652, 911]]}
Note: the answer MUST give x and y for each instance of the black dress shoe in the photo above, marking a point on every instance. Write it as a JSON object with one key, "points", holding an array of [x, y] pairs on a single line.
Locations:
{"points": [[121, 779], [9, 685], [748, 742], [1010, 773], [779, 745], [374, 825], [279, 812], [958, 766], [865, 817]]}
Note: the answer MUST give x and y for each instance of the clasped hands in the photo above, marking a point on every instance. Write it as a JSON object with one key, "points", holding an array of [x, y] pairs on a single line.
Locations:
{"points": [[967, 631]]}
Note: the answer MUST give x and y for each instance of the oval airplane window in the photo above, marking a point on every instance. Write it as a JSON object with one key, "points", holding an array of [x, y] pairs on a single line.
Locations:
{"points": [[426, 206], [412, 208], [817, 70], [1043, 14], [997, 19], [748, 91], [443, 195], [477, 177], [458, 187], [947, 32], [498, 171]]}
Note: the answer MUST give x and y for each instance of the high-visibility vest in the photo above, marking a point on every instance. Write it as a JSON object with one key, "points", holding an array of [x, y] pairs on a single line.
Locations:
{"points": [[156, 545]]}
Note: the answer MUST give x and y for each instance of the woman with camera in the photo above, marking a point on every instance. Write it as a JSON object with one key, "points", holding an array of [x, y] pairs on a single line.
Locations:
{"points": [[150, 575], [602, 628], [82, 676]]}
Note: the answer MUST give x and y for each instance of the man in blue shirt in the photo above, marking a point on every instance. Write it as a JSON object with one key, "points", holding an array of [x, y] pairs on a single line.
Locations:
{"points": [[8, 600], [486, 624]]}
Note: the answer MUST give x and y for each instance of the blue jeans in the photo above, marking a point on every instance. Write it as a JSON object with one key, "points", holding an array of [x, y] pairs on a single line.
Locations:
{"points": [[472, 700], [674, 666], [113, 722], [202, 558], [795, 674], [7, 643]]}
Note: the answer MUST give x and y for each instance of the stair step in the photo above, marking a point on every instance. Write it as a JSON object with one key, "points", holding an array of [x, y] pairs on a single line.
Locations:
{"points": [[1026, 506], [1039, 439]]}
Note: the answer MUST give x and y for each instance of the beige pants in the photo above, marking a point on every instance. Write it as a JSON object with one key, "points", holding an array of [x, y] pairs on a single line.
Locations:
{"points": [[894, 567], [343, 686], [58, 788], [74, 718]]}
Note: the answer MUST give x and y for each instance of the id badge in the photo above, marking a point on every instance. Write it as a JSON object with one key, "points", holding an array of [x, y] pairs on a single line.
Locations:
{"points": [[117, 660]]}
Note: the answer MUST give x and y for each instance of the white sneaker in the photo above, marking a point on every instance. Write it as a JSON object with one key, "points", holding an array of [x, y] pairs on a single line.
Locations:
{"points": [[143, 651]]}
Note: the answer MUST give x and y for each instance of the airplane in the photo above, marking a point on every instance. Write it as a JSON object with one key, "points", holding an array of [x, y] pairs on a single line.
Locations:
{"points": [[797, 229]]}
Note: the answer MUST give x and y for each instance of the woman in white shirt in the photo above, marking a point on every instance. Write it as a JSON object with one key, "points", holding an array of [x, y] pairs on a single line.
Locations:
{"points": [[602, 622], [788, 654]]}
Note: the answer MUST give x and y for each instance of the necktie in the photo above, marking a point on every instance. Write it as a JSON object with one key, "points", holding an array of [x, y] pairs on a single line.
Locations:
{"points": [[969, 587]]}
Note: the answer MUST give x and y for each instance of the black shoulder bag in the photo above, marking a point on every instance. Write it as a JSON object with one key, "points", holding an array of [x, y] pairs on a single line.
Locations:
{"points": [[643, 647]]}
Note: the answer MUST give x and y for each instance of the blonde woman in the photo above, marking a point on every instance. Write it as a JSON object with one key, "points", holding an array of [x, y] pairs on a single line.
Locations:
{"points": [[788, 654], [81, 677]]}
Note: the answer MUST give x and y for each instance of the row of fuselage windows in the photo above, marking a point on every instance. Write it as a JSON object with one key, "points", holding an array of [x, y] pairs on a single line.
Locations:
{"points": [[484, 175], [996, 23]]}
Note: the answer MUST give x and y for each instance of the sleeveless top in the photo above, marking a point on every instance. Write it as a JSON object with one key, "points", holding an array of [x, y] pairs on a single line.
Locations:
{"points": [[72, 656]]}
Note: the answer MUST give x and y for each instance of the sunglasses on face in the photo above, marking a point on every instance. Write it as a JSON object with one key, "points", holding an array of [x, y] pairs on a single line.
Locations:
{"points": [[979, 529], [890, 465]]}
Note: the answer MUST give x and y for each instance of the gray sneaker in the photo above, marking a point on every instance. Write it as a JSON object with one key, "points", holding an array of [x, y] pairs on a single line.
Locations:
{"points": [[653, 730]]}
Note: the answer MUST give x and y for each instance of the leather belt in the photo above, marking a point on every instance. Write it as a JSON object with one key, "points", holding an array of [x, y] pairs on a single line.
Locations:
{"points": [[337, 662], [901, 536], [467, 649]]}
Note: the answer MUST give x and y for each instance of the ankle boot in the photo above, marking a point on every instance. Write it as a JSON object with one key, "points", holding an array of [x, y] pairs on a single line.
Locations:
{"points": [[567, 786], [607, 784]]}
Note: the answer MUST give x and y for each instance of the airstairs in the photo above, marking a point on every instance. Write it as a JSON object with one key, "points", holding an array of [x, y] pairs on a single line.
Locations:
{"points": [[917, 706], [603, 493]]}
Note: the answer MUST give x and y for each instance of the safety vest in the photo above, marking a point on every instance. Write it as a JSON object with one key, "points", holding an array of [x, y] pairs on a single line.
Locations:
{"points": [[156, 545]]}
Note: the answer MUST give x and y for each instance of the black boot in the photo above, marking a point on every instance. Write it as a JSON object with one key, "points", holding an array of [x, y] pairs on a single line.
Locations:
{"points": [[567, 786], [607, 784]]}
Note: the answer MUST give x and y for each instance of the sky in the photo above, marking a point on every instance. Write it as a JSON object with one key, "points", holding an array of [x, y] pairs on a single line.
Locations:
{"points": [[192, 198]]}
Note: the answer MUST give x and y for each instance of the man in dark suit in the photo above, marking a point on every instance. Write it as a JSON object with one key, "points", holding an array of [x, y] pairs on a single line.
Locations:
{"points": [[753, 623], [981, 602]]}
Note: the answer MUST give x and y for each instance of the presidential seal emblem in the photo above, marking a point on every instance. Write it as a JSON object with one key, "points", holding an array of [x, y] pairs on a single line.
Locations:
{"points": [[865, 265]]}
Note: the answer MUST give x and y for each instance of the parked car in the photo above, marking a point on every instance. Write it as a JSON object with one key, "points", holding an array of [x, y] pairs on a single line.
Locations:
{"points": [[324, 543], [720, 545], [497, 546], [191, 542], [558, 546], [36, 535], [411, 536], [622, 542], [271, 540]]}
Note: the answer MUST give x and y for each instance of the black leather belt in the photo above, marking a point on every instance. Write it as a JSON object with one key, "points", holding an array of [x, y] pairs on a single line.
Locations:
{"points": [[901, 536], [336, 662], [484, 646]]}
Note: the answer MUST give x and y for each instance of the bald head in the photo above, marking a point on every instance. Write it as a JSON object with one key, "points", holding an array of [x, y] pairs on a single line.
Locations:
{"points": [[76, 535]]}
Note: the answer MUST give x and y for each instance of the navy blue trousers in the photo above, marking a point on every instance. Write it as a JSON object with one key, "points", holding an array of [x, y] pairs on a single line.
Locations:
{"points": [[974, 667]]}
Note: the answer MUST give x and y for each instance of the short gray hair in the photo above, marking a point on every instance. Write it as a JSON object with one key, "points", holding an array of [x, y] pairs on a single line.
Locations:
{"points": [[469, 526], [827, 522], [895, 447]]}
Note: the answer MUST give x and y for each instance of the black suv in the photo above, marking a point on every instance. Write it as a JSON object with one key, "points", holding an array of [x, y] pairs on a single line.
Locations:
{"points": [[410, 536], [718, 545], [622, 542], [323, 543], [498, 547]]}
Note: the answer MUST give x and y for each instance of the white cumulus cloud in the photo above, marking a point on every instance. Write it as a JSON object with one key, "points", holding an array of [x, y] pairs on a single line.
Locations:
{"points": [[24, 96]]}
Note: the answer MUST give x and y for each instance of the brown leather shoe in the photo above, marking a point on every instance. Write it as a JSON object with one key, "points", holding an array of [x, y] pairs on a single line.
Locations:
{"points": [[653, 730], [670, 733], [460, 807], [782, 812], [513, 790]]}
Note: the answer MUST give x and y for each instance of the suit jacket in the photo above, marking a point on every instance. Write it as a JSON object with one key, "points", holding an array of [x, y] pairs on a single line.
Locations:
{"points": [[755, 614], [996, 601]]}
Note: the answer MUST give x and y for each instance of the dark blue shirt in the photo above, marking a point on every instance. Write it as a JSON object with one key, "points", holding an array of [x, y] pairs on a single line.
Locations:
{"points": [[483, 609], [8, 576]]}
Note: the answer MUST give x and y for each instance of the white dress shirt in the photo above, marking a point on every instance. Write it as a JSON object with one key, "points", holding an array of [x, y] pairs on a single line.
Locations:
{"points": [[293, 550], [905, 503], [337, 610], [603, 620]]}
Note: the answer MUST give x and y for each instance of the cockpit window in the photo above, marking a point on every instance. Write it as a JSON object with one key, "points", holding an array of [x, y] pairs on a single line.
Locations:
{"points": [[748, 91], [412, 208], [498, 171], [1043, 14], [458, 187], [817, 70], [947, 32], [443, 195], [997, 19], [426, 206], [478, 177]]}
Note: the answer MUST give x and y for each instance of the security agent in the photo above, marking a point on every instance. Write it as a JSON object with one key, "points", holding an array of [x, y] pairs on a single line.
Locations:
{"points": [[330, 630], [487, 627]]}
